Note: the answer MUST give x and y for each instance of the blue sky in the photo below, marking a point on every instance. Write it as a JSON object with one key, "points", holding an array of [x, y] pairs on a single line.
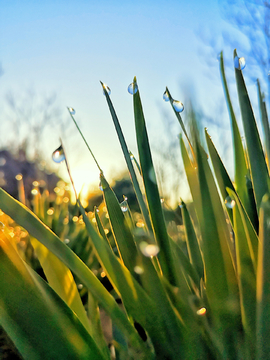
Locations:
{"points": [[67, 47]]}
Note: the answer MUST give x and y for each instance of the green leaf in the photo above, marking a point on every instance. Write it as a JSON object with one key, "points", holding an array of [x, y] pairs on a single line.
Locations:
{"points": [[31, 312], [246, 274], [123, 238], [192, 242], [23, 216], [151, 189], [263, 283], [265, 123], [128, 162], [259, 171]]}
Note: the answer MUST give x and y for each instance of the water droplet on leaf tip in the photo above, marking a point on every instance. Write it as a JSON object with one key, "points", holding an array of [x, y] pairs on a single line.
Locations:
{"points": [[178, 106], [239, 63], [138, 270], [124, 208], [201, 311], [229, 202], [149, 250], [100, 187], [107, 89], [166, 96], [132, 88], [58, 155], [72, 111]]}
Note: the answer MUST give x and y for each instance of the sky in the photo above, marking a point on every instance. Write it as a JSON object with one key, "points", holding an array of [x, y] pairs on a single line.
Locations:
{"points": [[65, 48]]}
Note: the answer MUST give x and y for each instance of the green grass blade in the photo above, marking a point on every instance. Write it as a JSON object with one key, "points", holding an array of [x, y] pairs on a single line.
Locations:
{"points": [[126, 153], [265, 123], [61, 280], [240, 165], [224, 181], [246, 276], [151, 189], [192, 242], [50, 330], [123, 238], [263, 283], [258, 167], [250, 232], [23, 216], [138, 303], [101, 229]]}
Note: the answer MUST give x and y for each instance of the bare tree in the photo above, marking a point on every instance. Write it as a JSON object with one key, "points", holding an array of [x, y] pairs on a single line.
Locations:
{"points": [[252, 18]]}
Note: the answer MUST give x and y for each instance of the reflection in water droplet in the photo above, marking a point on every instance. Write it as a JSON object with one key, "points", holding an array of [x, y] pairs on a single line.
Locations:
{"points": [[178, 106], [100, 186], [107, 89], [132, 89], [149, 249], [138, 270], [166, 96], [50, 211], [58, 155], [72, 111], [18, 177], [201, 311], [239, 63], [229, 202]]}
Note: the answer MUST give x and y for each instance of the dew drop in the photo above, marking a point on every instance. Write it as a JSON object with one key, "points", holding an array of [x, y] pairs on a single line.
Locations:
{"points": [[149, 250], [66, 241], [138, 270], [124, 206], [58, 155], [162, 200], [201, 311], [107, 89], [131, 156], [132, 89], [18, 177], [178, 106], [239, 63], [72, 111], [166, 96], [80, 286], [229, 202], [100, 186]]}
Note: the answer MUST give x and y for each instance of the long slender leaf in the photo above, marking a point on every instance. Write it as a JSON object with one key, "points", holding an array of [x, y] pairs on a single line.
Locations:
{"points": [[46, 328], [259, 171], [151, 189], [263, 283], [128, 162], [36, 228], [265, 123]]}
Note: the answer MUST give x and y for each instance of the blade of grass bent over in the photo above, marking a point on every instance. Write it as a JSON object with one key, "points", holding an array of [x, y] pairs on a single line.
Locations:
{"points": [[23, 216], [240, 165], [151, 189], [259, 171], [50, 330], [128, 161]]}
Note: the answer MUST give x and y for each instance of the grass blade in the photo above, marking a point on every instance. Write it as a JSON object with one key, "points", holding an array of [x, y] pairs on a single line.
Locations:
{"points": [[23, 216], [128, 162], [263, 283], [151, 189], [22, 288], [265, 123], [259, 171]]}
